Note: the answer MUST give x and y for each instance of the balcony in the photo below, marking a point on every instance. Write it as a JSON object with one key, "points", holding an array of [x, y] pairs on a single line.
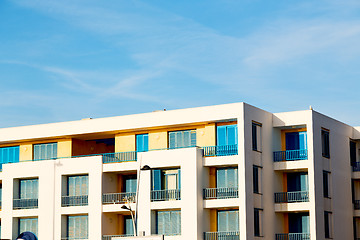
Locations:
{"points": [[109, 237], [165, 195], [292, 197], [290, 155], [25, 203], [119, 157], [226, 150], [234, 235], [220, 193], [67, 201], [118, 198], [292, 236]]}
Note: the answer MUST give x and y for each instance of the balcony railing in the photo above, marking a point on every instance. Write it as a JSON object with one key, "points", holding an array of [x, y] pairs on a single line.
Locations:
{"points": [[290, 155], [118, 198], [67, 201], [25, 203], [74, 238], [356, 166], [291, 197], [292, 236], [165, 195], [119, 157], [357, 204], [109, 237], [220, 193], [226, 150], [235, 235]]}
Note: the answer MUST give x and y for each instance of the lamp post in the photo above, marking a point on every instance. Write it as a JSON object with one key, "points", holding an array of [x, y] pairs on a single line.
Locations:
{"points": [[132, 216]]}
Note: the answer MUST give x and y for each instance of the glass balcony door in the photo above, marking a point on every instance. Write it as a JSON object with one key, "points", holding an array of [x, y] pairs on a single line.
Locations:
{"points": [[296, 140], [299, 223]]}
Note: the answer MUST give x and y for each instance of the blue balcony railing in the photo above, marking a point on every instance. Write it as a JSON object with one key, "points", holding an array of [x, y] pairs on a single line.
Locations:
{"points": [[165, 195], [67, 201], [291, 197], [25, 203], [220, 193], [290, 155], [118, 198], [234, 235], [292, 236], [226, 150], [119, 157], [356, 166], [110, 237]]}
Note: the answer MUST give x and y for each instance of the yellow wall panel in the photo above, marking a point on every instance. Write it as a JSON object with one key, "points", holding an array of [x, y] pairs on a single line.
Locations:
{"points": [[64, 148], [213, 220], [158, 140], [26, 152], [125, 142]]}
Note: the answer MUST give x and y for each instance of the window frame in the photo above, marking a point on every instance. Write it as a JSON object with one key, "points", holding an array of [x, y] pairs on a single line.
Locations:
{"points": [[256, 134], [258, 222], [257, 182], [326, 184], [325, 142]]}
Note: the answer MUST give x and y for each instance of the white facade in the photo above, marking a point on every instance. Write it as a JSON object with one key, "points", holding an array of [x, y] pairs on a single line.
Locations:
{"points": [[198, 172]]}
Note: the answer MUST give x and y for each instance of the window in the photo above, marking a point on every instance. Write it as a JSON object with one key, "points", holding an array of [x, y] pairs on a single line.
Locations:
{"points": [[168, 222], [180, 139], [256, 136], [45, 151], [77, 227], [128, 226], [256, 179], [28, 225], [227, 178], [296, 140], [9, 155], [226, 135], [257, 222], [328, 224], [78, 185], [297, 182], [352, 153], [299, 223], [325, 143], [326, 176], [228, 221], [29, 188], [130, 183], [142, 142], [166, 184]]}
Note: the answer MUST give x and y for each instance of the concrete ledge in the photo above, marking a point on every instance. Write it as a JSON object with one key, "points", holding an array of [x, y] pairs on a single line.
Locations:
{"points": [[292, 207], [292, 165], [222, 203]]}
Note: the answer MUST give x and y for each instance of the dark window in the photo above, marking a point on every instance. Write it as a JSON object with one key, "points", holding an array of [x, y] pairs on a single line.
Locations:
{"points": [[325, 143], [256, 136], [352, 153], [327, 217], [256, 187], [326, 184], [257, 227]]}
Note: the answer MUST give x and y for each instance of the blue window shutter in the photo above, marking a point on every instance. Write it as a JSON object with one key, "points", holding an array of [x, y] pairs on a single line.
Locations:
{"points": [[233, 221], [142, 142], [231, 134], [221, 178], [129, 227], [302, 140], [305, 224], [146, 142], [222, 221], [304, 182], [230, 178], [179, 179], [156, 179], [221, 136], [193, 138], [172, 140]]}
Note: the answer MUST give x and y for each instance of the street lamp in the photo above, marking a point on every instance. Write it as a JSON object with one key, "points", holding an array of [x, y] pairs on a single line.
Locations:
{"points": [[132, 216]]}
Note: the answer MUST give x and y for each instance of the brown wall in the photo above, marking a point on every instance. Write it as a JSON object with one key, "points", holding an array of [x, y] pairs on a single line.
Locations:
{"points": [[81, 147]]}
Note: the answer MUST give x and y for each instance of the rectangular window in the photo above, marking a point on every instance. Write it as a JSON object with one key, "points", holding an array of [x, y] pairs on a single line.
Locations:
{"points": [[256, 179], [78, 185], [168, 222], [328, 224], [9, 155], [326, 179], [45, 151], [297, 182], [226, 135], [325, 143], [28, 225], [29, 188], [142, 142], [296, 140], [77, 227], [227, 178], [130, 183], [352, 153], [165, 179], [256, 136], [181, 139], [257, 222], [228, 221], [128, 226]]}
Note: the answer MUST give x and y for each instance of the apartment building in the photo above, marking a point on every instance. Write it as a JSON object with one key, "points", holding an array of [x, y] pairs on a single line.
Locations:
{"points": [[221, 172]]}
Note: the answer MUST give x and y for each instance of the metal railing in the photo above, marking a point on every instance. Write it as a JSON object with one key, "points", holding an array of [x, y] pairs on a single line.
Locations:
{"points": [[109, 237], [221, 193], [290, 155], [119, 157], [74, 238], [291, 197], [292, 236], [25, 203], [226, 150], [357, 204], [356, 166], [67, 201], [118, 198], [166, 195], [234, 235]]}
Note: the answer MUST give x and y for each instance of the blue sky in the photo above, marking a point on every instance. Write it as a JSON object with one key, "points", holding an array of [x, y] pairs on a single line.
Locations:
{"points": [[73, 59]]}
